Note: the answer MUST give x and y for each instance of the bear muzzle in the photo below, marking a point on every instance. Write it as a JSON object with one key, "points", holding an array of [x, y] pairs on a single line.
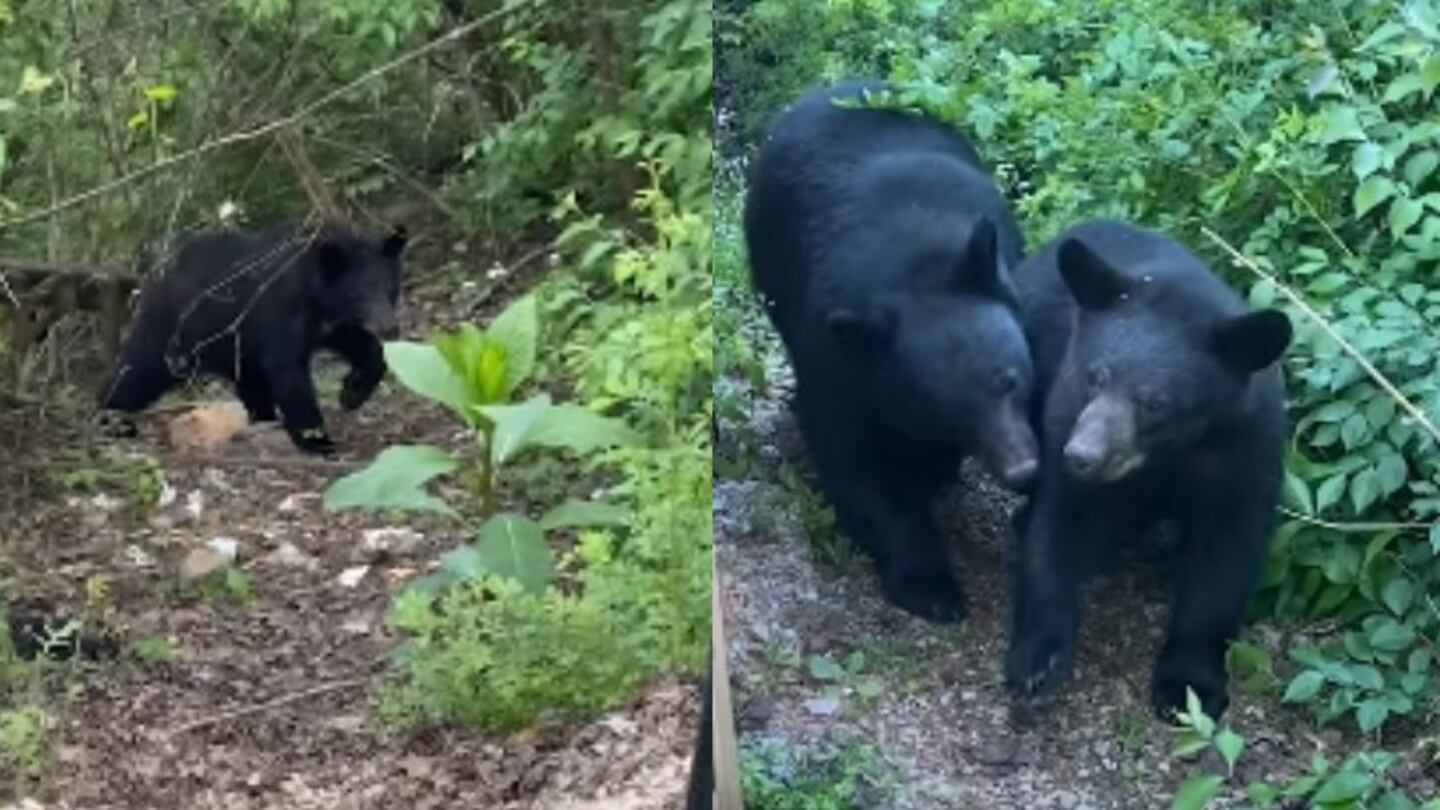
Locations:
{"points": [[1102, 446]]}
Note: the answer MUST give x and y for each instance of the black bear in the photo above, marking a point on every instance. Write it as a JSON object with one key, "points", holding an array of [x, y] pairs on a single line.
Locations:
{"points": [[253, 308], [700, 790], [882, 252], [1158, 398]]}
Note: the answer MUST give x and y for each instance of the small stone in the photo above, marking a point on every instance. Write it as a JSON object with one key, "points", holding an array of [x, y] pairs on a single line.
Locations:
{"points": [[822, 706], [201, 563], [390, 540], [289, 555], [227, 547], [195, 504], [139, 557], [351, 577]]}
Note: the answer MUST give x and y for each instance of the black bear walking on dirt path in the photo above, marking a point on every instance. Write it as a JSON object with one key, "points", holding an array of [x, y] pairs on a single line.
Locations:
{"points": [[882, 251], [1160, 399], [253, 308]]}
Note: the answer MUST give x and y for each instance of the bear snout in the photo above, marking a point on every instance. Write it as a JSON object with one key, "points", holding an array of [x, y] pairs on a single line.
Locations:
{"points": [[1102, 446]]}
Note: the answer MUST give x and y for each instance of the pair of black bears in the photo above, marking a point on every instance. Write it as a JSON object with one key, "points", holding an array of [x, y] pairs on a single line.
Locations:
{"points": [[253, 308], [1110, 376]]}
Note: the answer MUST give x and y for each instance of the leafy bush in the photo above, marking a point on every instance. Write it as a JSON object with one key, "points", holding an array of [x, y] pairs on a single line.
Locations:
{"points": [[528, 629]]}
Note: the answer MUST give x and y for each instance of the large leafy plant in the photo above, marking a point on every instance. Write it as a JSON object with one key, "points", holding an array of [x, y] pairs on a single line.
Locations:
{"points": [[476, 374]]}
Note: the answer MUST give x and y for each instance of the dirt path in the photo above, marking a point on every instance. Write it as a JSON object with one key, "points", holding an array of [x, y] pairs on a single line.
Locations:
{"points": [[267, 705], [822, 664]]}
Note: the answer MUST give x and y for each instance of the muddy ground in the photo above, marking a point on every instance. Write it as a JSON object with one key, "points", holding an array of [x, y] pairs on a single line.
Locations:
{"points": [[268, 705]]}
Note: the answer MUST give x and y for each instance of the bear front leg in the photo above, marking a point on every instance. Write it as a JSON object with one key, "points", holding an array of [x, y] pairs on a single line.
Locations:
{"points": [[1053, 550], [883, 508], [254, 393], [1225, 545], [366, 356], [294, 393]]}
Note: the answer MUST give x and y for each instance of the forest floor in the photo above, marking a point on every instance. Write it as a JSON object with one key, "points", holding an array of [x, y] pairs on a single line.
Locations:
{"points": [[267, 702], [831, 679]]}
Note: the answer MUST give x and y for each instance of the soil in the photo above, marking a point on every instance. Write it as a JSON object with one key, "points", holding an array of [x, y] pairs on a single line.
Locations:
{"points": [[268, 704], [927, 701]]}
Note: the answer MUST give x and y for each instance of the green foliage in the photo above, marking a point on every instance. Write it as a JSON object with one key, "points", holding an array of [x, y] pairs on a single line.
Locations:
{"points": [[518, 628], [775, 778], [22, 740], [1359, 781], [1304, 134]]}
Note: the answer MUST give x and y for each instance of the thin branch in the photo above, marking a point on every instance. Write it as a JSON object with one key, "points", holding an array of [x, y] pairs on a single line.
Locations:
{"points": [[285, 700], [1353, 527], [1404, 402], [267, 129]]}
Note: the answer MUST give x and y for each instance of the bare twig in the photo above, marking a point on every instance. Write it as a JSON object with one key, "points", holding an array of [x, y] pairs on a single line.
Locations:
{"points": [[32, 266], [285, 700], [1388, 387], [1353, 527], [266, 129]]}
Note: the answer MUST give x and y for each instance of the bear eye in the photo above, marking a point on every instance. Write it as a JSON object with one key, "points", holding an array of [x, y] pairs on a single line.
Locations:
{"points": [[1154, 404], [1097, 375], [1006, 382]]}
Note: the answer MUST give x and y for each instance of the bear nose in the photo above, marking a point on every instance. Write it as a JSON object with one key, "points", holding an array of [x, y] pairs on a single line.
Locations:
{"points": [[1082, 459]]}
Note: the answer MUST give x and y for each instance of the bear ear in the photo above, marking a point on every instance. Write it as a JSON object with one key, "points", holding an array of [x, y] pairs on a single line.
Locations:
{"points": [[334, 259], [394, 244], [1094, 282], [980, 267], [861, 332], [1248, 343]]}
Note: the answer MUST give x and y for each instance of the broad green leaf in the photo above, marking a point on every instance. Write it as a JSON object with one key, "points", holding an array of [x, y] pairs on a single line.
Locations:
{"points": [[1430, 74], [1375, 190], [823, 669], [1197, 792], [1367, 159], [1229, 744], [139, 120], [394, 480], [1364, 490], [1342, 123], [1304, 686], [1391, 472], [517, 329], [1297, 494], [1420, 166], [161, 93], [1391, 636], [1262, 793], [1371, 714], [477, 360], [1435, 538], [574, 513], [538, 422], [33, 82], [461, 563], [1344, 786], [1404, 213], [1406, 84], [421, 368], [1330, 492], [514, 546]]}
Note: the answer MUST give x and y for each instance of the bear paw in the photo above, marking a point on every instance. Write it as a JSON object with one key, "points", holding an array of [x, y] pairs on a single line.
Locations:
{"points": [[1035, 664], [314, 440], [931, 595], [1167, 694]]}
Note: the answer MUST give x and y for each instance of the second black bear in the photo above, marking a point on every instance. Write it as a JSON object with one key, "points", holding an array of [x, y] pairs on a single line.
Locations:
{"points": [[253, 308], [882, 251], [1160, 399]]}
